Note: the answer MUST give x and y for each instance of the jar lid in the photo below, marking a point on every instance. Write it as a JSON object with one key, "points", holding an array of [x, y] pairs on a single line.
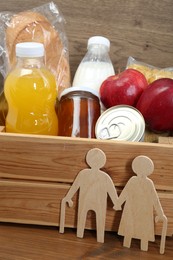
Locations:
{"points": [[99, 40], [29, 49], [73, 89]]}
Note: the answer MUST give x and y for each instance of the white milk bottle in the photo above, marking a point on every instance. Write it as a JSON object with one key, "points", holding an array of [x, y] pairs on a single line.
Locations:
{"points": [[96, 66]]}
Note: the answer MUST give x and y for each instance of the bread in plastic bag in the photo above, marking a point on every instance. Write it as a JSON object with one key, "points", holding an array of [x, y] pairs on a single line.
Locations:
{"points": [[150, 72], [43, 24]]}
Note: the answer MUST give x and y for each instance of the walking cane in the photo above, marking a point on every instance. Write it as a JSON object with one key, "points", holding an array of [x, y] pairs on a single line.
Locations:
{"points": [[163, 235], [62, 214]]}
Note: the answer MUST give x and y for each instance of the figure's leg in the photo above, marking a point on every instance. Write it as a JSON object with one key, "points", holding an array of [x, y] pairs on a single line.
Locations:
{"points": [[144, 245], [127, 241], [81, 222], [100, 224]]}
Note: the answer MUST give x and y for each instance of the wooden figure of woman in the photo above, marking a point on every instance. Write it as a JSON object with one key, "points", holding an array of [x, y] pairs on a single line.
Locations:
{"points": [[140, 199]]}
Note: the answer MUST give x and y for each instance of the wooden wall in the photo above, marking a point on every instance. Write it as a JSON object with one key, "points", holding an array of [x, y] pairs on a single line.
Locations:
{"points": [[139, 28]]}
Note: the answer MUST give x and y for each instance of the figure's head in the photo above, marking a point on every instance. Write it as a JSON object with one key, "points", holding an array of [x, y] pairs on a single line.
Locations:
{"points": [[96, 158], [142, 166]]}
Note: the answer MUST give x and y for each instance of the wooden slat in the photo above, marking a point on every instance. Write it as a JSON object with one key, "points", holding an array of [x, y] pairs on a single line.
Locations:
{"points": [[39, 203], [61, 159]]}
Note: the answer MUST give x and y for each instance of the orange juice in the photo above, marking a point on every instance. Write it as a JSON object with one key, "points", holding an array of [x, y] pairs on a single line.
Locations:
{"points": [[31, 94]]}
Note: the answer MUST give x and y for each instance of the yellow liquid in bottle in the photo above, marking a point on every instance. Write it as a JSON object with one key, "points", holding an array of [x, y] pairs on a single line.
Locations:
{"points": [[31, 96]]}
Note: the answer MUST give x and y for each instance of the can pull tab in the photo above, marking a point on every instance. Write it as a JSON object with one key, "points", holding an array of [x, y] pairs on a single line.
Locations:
{"points": [[111, 132]]}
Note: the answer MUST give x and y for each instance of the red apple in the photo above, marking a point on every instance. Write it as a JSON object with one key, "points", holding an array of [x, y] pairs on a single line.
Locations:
{"points": [[123, 88], [156, 105]]}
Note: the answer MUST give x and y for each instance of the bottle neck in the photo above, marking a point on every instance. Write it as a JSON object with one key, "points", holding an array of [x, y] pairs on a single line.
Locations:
{"points": [[98, 47], [97, 52], [30, 62]]}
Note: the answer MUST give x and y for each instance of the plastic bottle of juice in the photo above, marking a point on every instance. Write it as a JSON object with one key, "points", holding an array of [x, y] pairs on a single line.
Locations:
{"points": [[30, 91]]}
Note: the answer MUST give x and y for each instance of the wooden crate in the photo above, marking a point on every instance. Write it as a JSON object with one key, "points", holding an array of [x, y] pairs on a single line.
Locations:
{"points": [[36, 173]]}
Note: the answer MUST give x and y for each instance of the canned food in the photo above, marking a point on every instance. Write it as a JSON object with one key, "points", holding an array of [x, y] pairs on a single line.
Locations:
{"points": [[78, 111], [122, 122]]}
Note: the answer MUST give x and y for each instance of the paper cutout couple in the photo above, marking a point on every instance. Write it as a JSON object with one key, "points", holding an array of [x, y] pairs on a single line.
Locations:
{"points": [[139, 196]]}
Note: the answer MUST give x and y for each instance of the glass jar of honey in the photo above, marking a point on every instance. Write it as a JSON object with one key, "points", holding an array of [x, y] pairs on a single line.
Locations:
{"points": [[78, 111]]}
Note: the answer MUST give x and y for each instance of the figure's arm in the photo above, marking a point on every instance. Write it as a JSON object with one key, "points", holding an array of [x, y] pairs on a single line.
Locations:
{"points": [[124, 193], [158, 208], [157, 205], [73, 189], [113, 193], [121, 199]]}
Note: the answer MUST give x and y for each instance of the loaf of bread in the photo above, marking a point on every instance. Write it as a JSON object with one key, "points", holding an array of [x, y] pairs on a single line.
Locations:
{"points": [[32, 26]]}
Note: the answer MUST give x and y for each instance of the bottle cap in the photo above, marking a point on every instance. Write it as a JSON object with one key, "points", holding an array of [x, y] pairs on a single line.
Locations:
{"points": [[29, 49], [99, 40]]}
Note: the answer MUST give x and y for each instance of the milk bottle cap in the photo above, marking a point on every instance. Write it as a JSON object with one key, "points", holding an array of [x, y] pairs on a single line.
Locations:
{"points": [[99, 40], [29, 49]]}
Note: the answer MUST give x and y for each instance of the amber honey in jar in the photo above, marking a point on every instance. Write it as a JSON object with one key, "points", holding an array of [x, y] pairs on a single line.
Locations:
{"points": [[78, 111]]}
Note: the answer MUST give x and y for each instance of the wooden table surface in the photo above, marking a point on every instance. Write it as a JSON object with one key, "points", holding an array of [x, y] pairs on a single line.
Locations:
{"points": [[25, 242]]}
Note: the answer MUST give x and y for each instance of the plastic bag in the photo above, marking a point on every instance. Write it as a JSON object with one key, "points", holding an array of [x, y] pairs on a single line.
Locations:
{"points": [[43, 24], [150, 72]]}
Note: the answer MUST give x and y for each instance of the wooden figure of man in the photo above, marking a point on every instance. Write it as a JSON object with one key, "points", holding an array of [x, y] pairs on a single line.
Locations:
{"points": [[94, 185], [140, 199]]}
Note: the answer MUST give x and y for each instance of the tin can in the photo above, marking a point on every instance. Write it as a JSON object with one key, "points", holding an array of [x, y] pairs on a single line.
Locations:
{"points": [[122, 122], [78, 112]]}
